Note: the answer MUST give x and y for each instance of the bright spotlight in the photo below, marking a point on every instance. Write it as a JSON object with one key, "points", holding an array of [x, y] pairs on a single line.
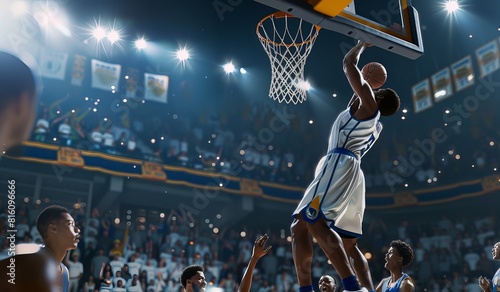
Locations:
{"points": [[99, 33], [113, 36], [305, 85], [452, 6], [141, 44], [182, 55], [243, 71], [229, 68]]}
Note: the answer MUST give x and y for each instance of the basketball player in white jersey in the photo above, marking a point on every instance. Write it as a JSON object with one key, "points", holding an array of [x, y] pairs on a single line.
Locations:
{"points": [[333, 205], [398, 256]]}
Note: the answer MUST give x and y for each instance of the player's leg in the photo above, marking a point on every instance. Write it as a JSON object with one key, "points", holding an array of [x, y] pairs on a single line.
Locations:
{"points": [[359, 261], [331, 244], [302, 251]]}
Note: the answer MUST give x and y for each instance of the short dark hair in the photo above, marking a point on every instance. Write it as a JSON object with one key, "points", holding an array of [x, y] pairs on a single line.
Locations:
{"points": [[404, 250], [189, 272], [389, 105], [16, 78], [49, 215]]}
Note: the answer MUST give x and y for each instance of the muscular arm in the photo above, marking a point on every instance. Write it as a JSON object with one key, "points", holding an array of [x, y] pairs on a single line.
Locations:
{"points": [[368, 105]]}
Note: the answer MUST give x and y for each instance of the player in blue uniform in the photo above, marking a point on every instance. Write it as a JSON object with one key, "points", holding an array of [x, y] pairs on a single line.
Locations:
{"points": [[399, 255], [494, 284], [43, 270], [334, 202]]}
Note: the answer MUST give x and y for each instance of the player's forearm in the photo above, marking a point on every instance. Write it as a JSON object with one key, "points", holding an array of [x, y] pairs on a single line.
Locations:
{"points": [[246, 282], [352, 57]]}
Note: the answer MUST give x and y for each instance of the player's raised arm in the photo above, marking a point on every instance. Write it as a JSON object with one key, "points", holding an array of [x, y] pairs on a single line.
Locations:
{"points": [[360, 87]]}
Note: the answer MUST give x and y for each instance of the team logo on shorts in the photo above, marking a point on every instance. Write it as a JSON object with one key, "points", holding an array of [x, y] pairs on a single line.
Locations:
{"points": [[312, 210], [311, 213]]}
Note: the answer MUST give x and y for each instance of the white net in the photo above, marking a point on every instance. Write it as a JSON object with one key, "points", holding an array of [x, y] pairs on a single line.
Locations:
{"points": [[288, 41]]}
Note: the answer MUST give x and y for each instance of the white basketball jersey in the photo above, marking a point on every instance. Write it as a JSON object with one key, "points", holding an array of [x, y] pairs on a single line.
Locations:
{"points": [[337, 192], [354, 135]]}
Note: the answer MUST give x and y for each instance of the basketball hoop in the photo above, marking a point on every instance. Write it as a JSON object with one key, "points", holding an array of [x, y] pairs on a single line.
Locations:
{"points": [[287, 40]]}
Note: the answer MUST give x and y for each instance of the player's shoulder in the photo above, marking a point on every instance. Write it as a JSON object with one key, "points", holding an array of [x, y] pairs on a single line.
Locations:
{"points": [[407, 284]]}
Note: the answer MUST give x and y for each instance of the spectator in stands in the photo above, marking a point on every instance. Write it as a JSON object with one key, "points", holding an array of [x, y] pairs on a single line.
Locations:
{"points": [[106, 283], [96, 138], [75, 272], [90, 285], [118, 245], [118, 278], [119, 286], [125, 273], [109, 141], [97, 263], [64, 131], [42, 128], [18, 100], [134, 285], [132, 149]]}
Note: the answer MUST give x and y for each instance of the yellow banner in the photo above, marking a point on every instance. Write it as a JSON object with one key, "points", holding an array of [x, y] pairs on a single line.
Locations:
{"points": [[250, 186], [70, 156], [491, 182], [404, 199], [152, 170]]}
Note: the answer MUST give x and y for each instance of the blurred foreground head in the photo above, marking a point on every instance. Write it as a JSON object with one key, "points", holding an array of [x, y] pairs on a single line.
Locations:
{"points": [[18, 100]]}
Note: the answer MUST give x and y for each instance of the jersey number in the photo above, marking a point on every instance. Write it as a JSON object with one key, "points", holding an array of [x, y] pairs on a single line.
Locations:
{"points": [[368, 145]]}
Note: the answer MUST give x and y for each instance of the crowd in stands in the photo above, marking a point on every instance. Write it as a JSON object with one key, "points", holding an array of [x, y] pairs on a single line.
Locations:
{"points": [[450, 254], [257, 140], [208, 142]]}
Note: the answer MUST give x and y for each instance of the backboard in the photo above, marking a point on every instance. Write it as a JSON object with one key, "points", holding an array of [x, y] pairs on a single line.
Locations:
{"points": [[392, 25]]}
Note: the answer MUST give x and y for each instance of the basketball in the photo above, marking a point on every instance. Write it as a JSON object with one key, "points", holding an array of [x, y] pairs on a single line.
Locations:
{"points": [[375, 74]]}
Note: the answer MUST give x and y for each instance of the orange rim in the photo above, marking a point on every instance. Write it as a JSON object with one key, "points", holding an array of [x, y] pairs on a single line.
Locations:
{"points": [[281, 14]]}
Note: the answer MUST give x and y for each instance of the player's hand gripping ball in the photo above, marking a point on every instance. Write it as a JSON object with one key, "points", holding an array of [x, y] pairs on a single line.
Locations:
{"points": [[375, 74]]}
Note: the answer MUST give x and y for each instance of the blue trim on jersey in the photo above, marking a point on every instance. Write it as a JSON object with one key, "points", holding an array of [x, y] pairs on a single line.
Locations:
{"points": [[340, 230], [343, 151], [370, 118], [329, 181], [495, 280], [347, 137], [341, 128]]}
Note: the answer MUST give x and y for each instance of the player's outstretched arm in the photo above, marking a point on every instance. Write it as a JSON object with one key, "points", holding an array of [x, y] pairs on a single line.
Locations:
{"points": [[258, 252], [358, 84]]}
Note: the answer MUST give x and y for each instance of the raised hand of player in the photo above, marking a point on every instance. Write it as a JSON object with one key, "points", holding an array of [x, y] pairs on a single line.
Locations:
{"points": [[484, 283], [258, 247], [364, 44]]}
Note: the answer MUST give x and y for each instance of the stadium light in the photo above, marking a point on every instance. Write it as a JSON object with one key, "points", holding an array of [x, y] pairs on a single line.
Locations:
{"points": [[141, 44], [182, 55], [229, 68], [243, 71], [99, 33], [113, 36], [452, 6]]}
